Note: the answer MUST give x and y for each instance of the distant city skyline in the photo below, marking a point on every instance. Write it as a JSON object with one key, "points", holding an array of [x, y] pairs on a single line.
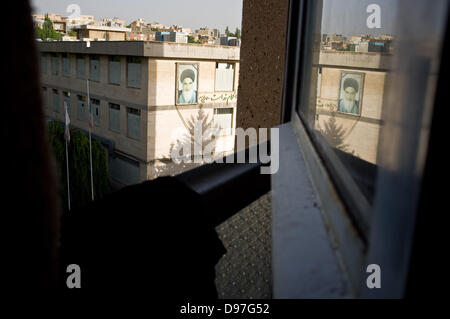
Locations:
{"points": [[192, 14]]}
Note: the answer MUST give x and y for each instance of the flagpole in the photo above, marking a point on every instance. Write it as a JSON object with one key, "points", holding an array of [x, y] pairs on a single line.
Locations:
{"points": [[67, 138], [68, 180], [90, 143]]}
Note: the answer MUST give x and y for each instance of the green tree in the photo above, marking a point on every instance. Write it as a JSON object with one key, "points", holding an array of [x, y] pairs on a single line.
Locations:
{"points": [[79, 166], [191, 40], [47, 31], [237, 33], [227, 32]]}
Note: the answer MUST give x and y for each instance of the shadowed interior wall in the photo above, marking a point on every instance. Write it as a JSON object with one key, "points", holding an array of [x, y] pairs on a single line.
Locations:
{"points": [[262, 63]]}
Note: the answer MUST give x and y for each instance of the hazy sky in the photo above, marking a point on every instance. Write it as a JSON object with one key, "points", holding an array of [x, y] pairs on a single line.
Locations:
{"points": [[191, 14]]}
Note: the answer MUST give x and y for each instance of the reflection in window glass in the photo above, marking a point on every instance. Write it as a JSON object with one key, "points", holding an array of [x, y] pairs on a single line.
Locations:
{"points": [[348, 90], [349, 67]]}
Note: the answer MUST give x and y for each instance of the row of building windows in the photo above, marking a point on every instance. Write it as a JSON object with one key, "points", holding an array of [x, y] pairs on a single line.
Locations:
{"points": [[133, 115], [224, 78], [114, 68]]}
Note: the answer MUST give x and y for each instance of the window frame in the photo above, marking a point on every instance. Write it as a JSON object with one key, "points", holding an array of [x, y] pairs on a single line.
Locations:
{"points": [[355, 248]]}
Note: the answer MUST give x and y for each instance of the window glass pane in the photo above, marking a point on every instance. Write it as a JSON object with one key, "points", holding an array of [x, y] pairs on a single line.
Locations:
{"points": [[95, 104], [114, 117], [55, 100], [81, 112], [347, 85], [44, 63], [124, 170], [114, 70], [133, 123], [223, 120], [45, 96], [94, 68], [224, 76], [134, 72], [55, 64], [66, 64], [81, 68]]}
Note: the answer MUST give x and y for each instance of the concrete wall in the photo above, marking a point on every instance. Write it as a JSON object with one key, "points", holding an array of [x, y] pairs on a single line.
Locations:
{"points": [[262, 63]]}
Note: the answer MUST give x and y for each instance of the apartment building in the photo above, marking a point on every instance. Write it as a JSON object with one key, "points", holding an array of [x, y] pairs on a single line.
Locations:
{"points": [[101, 32], [139, 109]]}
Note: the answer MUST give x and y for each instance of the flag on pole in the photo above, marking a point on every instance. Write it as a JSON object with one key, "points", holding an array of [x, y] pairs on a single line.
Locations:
{"points": [[67, 131]]}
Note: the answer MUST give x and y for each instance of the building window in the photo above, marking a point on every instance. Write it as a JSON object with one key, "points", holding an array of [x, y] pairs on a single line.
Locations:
{"points": [[95, 105], [55, 100], [224, 77], [114, 117], [223, 120], [66, 64], [55, 64], [44, 63], [133, 123], [81, 114], [44, 96], [114, 70], [94, 69], [81, 67], [66, 100], [134, 72]]}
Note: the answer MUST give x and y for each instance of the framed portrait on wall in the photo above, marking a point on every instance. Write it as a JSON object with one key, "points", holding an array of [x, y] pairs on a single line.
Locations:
{"points": [[187, 83], [351, 93]]}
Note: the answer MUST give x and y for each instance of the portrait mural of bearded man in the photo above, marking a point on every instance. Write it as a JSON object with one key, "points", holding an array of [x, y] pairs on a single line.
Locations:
{"points": [[187, 76], [350, 93]]}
